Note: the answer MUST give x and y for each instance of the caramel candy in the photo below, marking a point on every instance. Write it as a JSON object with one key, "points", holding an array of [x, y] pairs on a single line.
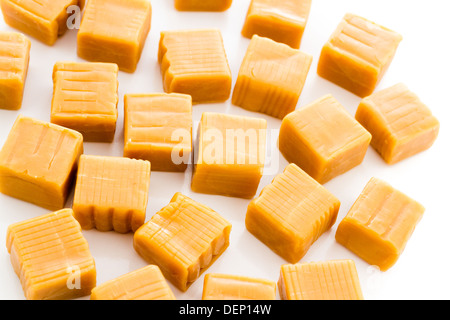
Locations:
{"points": [[358, 54], [194, 62], [323, 139], [280, 20], [38, 162], [111, 193], [51, 257], [231, 155], [231, 287], [85, 97], [400, 124], [183, 239], [271, 77], [158, 128], [115, 31], [147, 283], [379, 224], [44, 20], [203, 5], [291, 213], [329, 280], [14, 59]]}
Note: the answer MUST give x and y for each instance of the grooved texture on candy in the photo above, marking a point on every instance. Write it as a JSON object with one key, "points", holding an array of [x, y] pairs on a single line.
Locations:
{"points": [[194, 62], [280, 20], [203, 5], [358, 54], [232, 287], [400, 123], [51, 257], [271, 77], [230, 156], [85, 97], [328, 280], [323, 139], [38, 162], [147, 283], [379, 224], [14, 61], [183, 239], [111, 193], [291, 213], [44, 20], [158, 128], [114, 31]]}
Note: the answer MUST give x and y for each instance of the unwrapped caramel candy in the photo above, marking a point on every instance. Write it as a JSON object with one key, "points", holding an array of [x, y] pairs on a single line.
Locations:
{"points": [[183, 239], [14, 60], [379, 224], [85, 96], [194, 62], [323, 139], [328, 280], [358, 54], [232, 287], [158, 128], [147, 283], [401, 125], [280, 20], [271, 77], [231, 155], [51, 257], [44, 20], [115, 31], [202, 5], [111, 193], [38, 162], [291, 213]]}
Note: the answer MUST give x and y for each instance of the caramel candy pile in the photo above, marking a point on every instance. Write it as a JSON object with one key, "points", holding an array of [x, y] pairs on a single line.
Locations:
{"points": [[42, 161]]}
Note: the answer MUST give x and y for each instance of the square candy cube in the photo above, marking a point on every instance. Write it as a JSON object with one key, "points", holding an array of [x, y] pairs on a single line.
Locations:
{"points": [[85, 97], [114, 31], [323, 139], [358, 54], [401, 125], [111, 193]]}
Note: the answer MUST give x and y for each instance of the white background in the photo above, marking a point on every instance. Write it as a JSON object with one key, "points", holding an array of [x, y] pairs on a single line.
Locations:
{"points": [[421, 62]]}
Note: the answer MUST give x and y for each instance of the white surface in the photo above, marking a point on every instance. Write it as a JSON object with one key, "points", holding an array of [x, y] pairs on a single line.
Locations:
{"points": [[422, 63]]}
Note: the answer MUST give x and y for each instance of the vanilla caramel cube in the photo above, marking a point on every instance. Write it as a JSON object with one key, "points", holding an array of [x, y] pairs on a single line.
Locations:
{"points": [[291, 213], [38, 162], [14, 60], [44, 20], [114, 31], [51, 257], [280, 20], [358, 54], [323, 139], [147, 283], [158, 128], [203, 5], [194, 62], [218, 286], [400, 123], [85, 96], [231, 155], [327, 280], [379, 224], [111, 193], [271, 78], [184, 239]]}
